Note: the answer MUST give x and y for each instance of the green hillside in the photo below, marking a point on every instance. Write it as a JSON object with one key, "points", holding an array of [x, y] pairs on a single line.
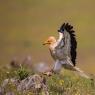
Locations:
{"points": [[25, 24]]}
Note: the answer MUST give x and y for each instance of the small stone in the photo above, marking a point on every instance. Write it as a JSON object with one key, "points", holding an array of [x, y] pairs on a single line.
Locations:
{"points": [[10, 93]]}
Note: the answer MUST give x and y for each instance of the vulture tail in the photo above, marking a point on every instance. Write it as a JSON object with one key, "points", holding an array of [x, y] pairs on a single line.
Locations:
{"points": [[76, 69], [81, 73]]}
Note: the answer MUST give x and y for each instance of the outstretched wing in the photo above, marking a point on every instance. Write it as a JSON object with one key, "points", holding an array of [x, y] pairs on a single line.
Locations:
{"points": [[67, 41]]}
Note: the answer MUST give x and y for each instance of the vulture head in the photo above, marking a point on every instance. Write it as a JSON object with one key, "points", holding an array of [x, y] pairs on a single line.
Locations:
{"points": [[50, 41]]}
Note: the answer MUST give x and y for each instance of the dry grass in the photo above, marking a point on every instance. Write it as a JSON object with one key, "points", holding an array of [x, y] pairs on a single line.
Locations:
{"points": [[66, 83], [24, 25]]}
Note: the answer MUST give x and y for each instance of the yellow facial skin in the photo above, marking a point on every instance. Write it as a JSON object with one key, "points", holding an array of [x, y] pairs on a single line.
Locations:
{"points": [[50, 40]]}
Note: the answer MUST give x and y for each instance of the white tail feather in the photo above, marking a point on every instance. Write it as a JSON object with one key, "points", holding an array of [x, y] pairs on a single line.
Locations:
{"points": [[81, 73], [78, 70]]}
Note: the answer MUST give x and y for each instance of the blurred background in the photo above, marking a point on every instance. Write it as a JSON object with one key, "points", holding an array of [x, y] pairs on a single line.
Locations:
{"points": [[25, 24]]}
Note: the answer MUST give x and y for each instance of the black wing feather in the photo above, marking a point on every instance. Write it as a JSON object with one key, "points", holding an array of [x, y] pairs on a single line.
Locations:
{"points": [[69, 29]]}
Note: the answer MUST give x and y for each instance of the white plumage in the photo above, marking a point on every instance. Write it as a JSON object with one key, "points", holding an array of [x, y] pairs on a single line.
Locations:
{"points": [[60, 53], [63, 50]]}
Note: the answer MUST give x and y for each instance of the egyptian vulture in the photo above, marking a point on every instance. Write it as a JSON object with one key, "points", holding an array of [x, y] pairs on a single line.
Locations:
{"points": [[63, 50]]}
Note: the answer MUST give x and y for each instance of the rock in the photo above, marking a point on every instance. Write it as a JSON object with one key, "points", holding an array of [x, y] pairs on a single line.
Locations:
{"points": [[41, 67], [14, 63], [1, 91], [34, 83], [10, 93], [5, 82]]}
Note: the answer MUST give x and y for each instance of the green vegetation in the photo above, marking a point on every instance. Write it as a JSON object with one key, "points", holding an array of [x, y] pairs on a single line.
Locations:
{"points": [[25, 24], [22, 73], [71, 85], [58, 84]]}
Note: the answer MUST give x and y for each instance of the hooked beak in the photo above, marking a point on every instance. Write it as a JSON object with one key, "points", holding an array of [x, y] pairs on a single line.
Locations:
{"points": [[45, 43]]}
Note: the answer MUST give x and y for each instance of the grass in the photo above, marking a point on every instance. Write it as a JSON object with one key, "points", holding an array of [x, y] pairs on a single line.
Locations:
{"points": [[66, 83], [71, 85], [24, 25]]}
